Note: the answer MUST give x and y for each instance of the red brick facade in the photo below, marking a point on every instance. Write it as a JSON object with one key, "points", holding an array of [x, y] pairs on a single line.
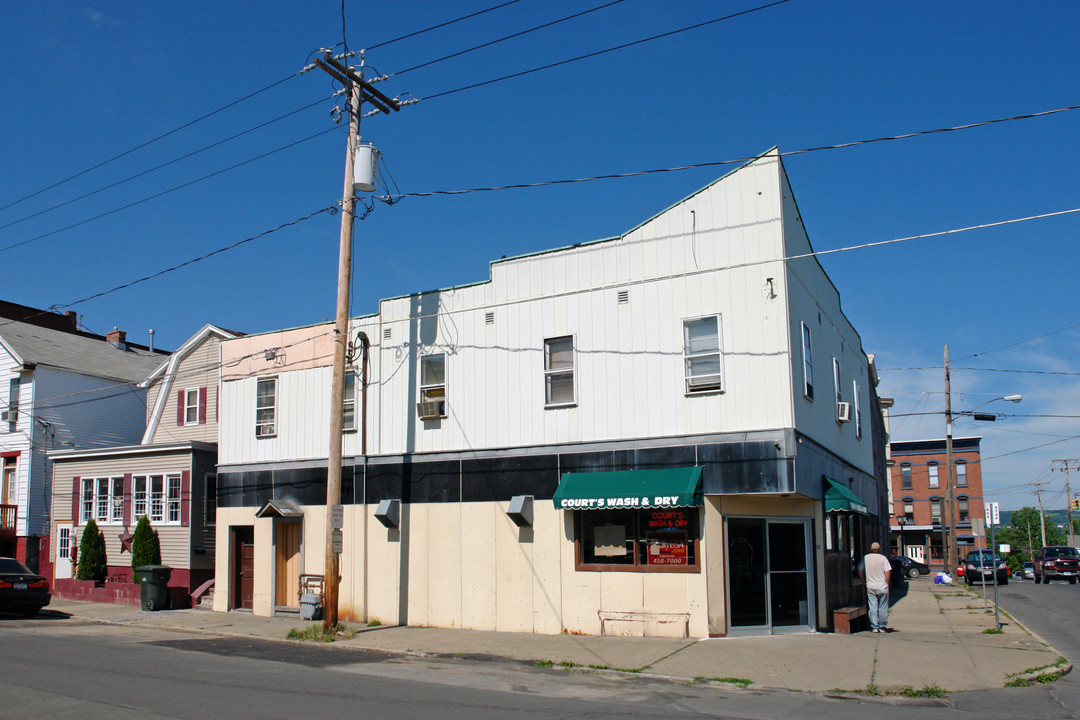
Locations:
{"points": [[918, 475]]}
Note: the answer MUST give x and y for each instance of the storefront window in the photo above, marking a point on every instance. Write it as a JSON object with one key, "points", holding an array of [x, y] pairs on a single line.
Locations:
{"points": [[660, 540]]}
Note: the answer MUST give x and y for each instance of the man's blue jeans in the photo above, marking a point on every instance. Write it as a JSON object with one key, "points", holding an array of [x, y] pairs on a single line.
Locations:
{"points": [[878, 606]]}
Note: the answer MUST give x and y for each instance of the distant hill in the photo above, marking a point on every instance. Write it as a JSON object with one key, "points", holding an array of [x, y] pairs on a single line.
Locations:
{"points": [[1059, 517]]}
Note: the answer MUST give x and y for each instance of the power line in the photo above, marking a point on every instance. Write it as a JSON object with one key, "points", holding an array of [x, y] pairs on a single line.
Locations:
{"points": [[735, 161], [168, 163], [974, 369], [1021, 342], [499, 40], [441, 25], [149, 142], [608, 50], [166, 192]]}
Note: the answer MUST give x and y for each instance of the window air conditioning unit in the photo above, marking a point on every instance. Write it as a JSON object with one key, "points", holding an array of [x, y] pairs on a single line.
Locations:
{"points": [[429, 410], [9, 416], [843, 412]]}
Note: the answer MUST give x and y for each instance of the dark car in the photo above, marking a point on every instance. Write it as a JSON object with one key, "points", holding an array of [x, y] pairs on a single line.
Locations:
{"points": [[909, 567], [21, 591], [1056, 562], [985, 565]]}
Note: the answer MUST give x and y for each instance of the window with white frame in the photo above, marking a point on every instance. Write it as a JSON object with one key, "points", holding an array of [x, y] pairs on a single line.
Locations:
{"points": [[433, 385], [856, 407], [210, 499], [932, 470], [559, 371], [87, 498], [116, 500], [961, 473], [935, 510], [962, 509], [101, 500], [905, 476], [139, 488], [909, 509], [836, 386], [156, 494], [703, 354], [266, 407], [808, 363], [348, 410], [13, 401], [191, 406], [172, 501]]}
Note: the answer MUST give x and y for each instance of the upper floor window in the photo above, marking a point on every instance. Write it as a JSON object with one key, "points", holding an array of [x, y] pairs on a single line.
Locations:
{"points": [[856, 408], [559, 371], [348, 411], [961, 473], [935, 510], [703, 354], [191, 406], [265, 408], [836, 380], [962, 508], [433, 386], [808, 363], [905, 476], [13, 401], [932, 469], [909, 510]]}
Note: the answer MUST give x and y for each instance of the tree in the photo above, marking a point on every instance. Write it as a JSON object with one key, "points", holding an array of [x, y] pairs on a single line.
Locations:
{"points": [[145, 545], [93, 564], [1025, 527]]}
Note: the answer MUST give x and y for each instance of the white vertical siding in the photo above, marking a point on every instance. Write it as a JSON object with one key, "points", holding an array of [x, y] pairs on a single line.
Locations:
{"points": [[711, 254]]}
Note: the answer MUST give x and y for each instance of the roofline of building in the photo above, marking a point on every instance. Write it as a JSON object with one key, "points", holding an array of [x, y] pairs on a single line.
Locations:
{"points": [[88, 454]]}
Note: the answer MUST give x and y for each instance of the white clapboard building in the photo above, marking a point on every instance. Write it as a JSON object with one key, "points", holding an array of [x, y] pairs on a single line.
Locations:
{"points": [[669, 432]]}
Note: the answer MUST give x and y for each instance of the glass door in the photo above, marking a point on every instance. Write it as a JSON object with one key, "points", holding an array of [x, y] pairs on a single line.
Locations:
{"points": [[770, 586]]}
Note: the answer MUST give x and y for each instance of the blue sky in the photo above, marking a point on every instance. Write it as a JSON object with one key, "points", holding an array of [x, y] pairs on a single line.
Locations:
{"points": [[87, 82]]}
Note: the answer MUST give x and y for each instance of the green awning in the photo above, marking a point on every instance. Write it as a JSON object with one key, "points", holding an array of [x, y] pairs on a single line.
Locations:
{"points": [[839, 499], [630, 489]]}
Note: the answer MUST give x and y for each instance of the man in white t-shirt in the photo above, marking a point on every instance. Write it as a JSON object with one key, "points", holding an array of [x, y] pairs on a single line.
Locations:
{"points": [[876, 570]]}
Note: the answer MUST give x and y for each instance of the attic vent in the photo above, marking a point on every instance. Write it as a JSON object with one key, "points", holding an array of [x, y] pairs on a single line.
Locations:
{"points": [[489, 318], [386, 333], [624, 297]]}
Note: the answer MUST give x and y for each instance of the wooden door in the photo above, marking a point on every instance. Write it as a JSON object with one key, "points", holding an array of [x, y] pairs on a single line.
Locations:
{"points": [[287, 564], [244, 568]]}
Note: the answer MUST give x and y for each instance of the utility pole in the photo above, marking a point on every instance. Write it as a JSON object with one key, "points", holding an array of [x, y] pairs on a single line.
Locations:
{"points": [[1065, 465], [359, 91], [1042, 518], [950, 477]]}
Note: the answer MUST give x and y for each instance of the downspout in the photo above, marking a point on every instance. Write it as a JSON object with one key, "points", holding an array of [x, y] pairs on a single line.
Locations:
{"points": [[365, 345]]}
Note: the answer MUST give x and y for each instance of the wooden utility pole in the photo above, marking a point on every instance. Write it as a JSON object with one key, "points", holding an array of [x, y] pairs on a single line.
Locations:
{"points": [[950, 476], [1042, 518], [359, 91], [1064, 466]]}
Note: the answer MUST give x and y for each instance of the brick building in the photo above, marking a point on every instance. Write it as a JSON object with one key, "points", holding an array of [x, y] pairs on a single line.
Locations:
{"points": [[918, 477]]}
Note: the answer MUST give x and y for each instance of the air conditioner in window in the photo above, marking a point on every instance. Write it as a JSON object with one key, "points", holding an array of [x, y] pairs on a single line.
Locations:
{"points": [[843, 412], [429, 409], [9, 416]]}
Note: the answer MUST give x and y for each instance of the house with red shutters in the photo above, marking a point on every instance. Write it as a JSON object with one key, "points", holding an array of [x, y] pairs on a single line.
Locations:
{"points": [[169, 477], [60, 387]]}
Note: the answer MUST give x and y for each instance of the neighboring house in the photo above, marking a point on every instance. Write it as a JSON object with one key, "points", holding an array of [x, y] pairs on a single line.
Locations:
{"points": [[919, 476], [59, 388], [169, 477], [670, 432]]}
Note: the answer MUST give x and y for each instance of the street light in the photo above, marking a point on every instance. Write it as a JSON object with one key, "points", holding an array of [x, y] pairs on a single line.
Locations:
{"points": [[948, 530]]}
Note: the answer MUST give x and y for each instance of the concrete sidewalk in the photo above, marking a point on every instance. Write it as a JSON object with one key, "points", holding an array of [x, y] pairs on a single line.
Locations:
{"points": [[938, 639]]}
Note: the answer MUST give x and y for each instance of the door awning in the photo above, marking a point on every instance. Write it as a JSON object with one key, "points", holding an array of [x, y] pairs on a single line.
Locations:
{"points": [[279, 508], [630, 489], [839, 499]]}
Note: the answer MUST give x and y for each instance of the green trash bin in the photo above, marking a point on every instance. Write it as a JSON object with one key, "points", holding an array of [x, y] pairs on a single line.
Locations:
{"points": [[153, 586]]}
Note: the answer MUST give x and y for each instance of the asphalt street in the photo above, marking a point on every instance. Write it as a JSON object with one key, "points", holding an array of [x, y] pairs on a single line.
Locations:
{"points": [[62, 668]]}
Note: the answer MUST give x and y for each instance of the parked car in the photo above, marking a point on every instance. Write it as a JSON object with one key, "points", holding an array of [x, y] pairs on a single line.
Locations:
{"points": [[909, 567], [21, 591], [985, 565], [1056, 562], [1028, 571]]}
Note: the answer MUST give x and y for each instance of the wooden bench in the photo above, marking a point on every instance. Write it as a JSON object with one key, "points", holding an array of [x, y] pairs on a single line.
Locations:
{"points": [[846, 619], [643, 617]]}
